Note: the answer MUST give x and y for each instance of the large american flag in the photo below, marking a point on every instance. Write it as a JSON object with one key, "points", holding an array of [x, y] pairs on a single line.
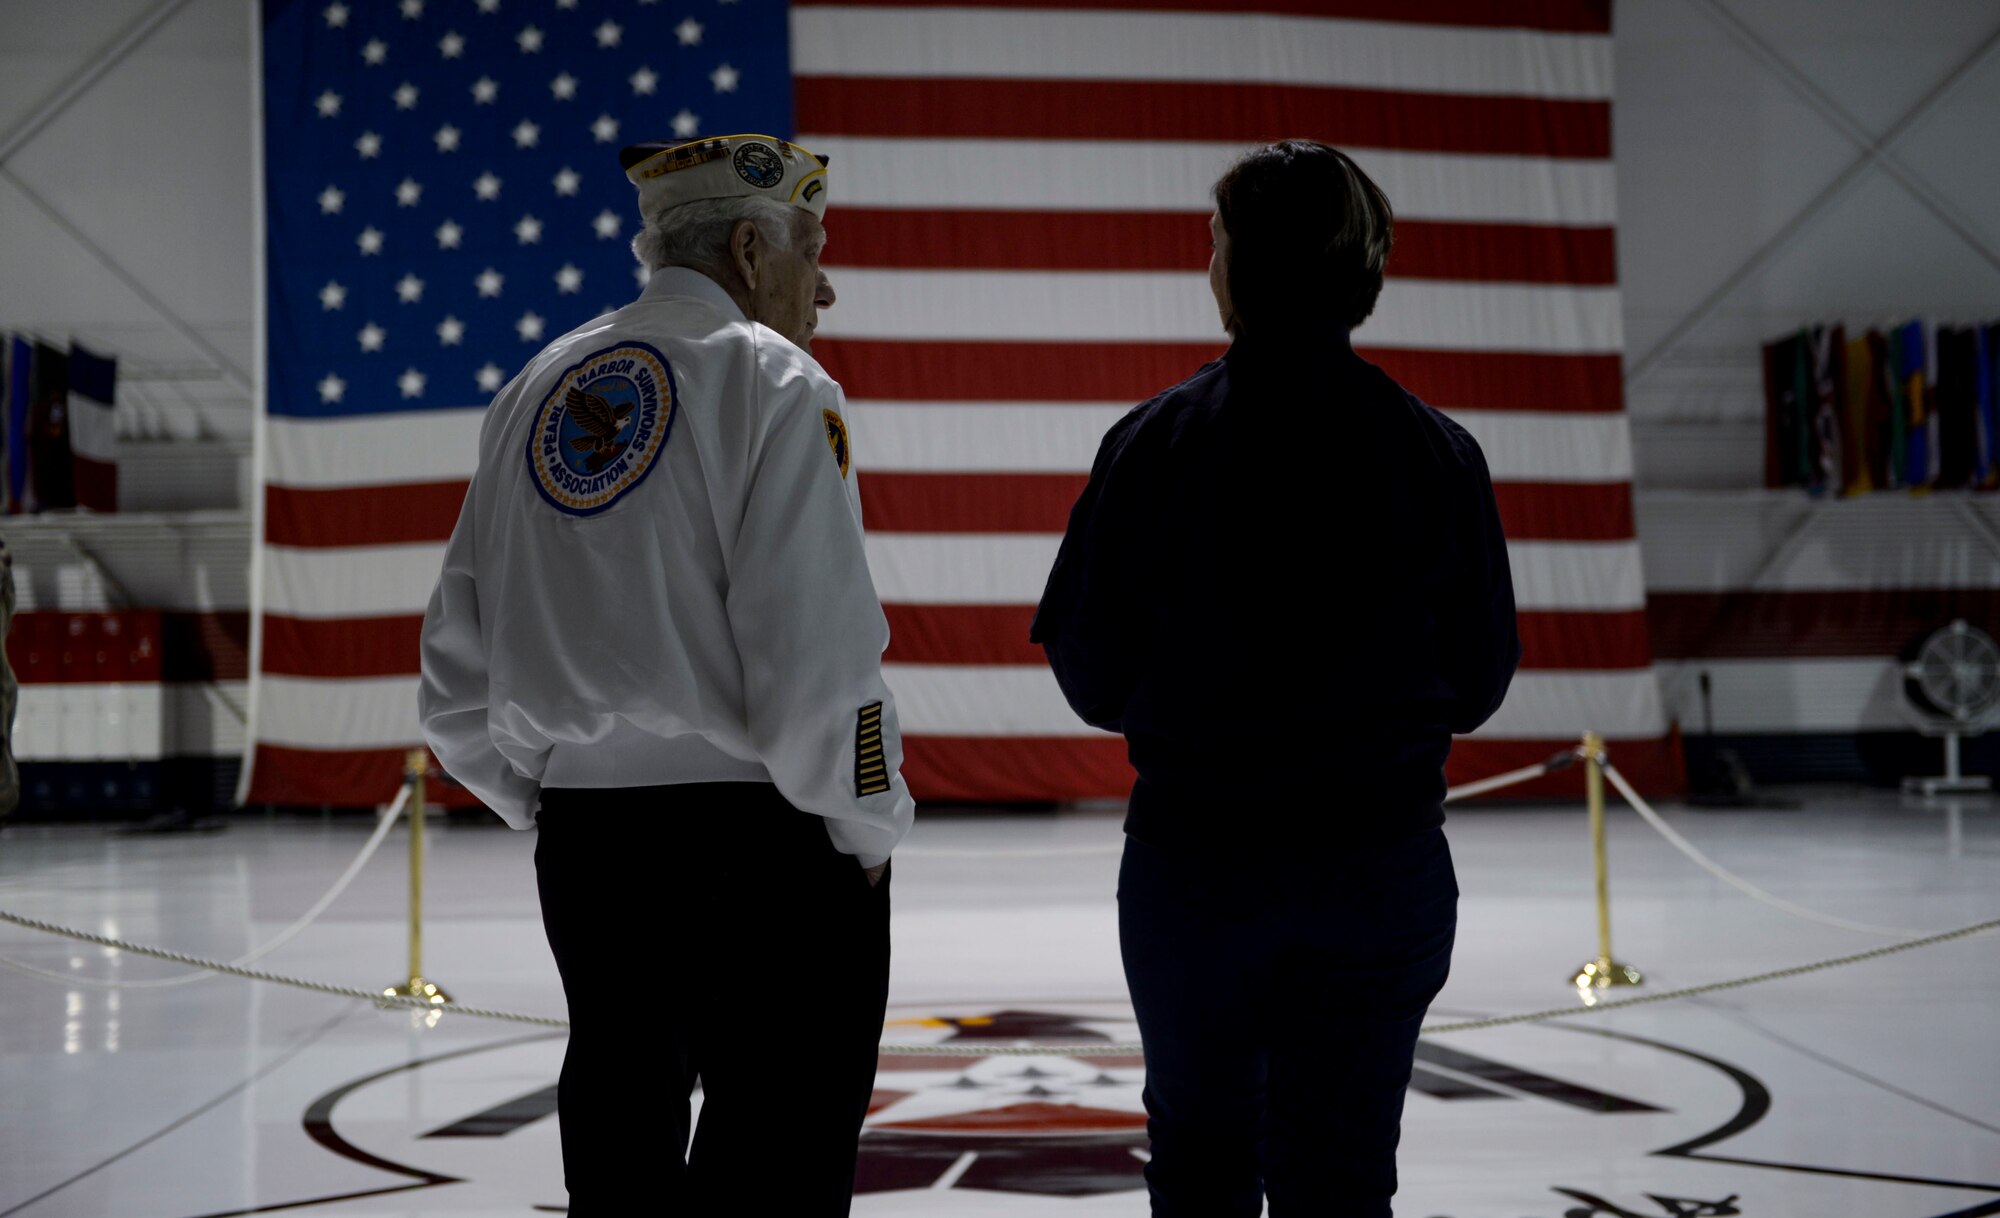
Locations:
{"points": [[1018, 240]]}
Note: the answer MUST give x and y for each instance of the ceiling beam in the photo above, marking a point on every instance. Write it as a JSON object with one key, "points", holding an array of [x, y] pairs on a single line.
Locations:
{"points": [[1873, 153], [1809, 91], [193, 337], [85, 77]]}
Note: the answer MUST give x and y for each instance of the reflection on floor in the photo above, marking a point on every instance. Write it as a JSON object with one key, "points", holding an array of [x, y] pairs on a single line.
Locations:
{"points": [[1872, 1090]]}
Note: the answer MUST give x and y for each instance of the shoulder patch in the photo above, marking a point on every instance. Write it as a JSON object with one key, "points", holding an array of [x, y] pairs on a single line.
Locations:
{"points": [[871, 764], [601, 428], [836, 438]]}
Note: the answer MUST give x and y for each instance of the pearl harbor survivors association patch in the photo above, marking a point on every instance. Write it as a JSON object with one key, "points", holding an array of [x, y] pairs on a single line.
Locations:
{"points": [[601, 428]]}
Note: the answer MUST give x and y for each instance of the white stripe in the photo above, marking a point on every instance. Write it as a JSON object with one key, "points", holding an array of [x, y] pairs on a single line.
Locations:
{"points": [[912, 569], [955, 700], [89, 721], [350, 581], [374, 449], [1048, 43], [1018, 437], [93, 429], [1523, 446], [348, 713], [981, 700], [980, 437], [1175, 306], [962, 569], [1791, 694], [1024, 700], [1559, 575], [1564, 705], [1784, 542], [989, 437], [74, 722], [1109, 175]]}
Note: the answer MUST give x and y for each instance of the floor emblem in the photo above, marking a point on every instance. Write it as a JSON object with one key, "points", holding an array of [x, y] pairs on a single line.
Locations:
{"points": [[1555, 1121]]}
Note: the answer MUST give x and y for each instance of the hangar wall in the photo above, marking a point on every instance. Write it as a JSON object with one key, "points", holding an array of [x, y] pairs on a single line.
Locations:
{"points": [[1757, 191]]}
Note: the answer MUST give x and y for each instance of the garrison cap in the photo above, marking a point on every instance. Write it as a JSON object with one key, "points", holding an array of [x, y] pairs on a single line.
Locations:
{"points": [[725, 167]]}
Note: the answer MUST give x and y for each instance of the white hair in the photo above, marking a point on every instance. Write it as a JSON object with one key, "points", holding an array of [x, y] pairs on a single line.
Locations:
{"points": [[697, 234]]}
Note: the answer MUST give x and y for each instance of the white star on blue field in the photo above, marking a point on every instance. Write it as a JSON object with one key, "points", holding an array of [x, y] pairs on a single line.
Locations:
{"points": [[442, 184]]}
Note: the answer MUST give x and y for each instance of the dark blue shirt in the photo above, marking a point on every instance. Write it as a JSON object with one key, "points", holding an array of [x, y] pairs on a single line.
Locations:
{"points": [[1286, 585]]}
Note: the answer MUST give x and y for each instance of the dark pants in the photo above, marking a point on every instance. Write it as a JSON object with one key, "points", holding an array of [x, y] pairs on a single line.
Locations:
{"points": [[710, 931], [1279, 999]]}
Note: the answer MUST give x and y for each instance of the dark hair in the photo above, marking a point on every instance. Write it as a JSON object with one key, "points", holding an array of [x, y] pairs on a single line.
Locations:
{"points": [[1308, 234]]}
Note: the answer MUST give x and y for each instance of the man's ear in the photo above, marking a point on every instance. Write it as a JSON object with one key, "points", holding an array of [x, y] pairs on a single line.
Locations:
{"points": [[746, 250]]}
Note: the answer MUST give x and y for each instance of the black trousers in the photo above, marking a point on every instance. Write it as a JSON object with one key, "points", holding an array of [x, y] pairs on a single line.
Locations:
{"points": [[765, 958], [1279, 998]]}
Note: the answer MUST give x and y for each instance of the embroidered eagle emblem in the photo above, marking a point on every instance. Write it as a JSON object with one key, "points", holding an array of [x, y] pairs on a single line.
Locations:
{"points": [[600, 422]]}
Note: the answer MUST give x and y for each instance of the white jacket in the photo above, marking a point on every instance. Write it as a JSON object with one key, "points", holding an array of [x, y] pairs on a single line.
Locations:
{"points": [[658, 577]]}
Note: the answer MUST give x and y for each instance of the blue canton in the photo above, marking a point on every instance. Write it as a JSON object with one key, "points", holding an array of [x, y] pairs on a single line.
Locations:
{"points": [[442, 183]]}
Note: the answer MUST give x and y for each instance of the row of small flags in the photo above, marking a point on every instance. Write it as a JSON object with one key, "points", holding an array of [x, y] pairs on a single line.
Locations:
{"points": [[1915, 407], [58, 437]]}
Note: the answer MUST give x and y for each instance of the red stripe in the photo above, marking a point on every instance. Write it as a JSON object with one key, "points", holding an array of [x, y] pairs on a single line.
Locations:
{"points": [[968, 503], [340, 778], [1565, 511], [1504, 253], [1132, 372], [86, 647], [895, 502], [956, 769], [1569, 16], [1551, 641], [1229, 112], [1040, 503], [1800, 625], [184, 645], [960, 634], [966, 769], [361, 516], [342, 647], [94, 482], [1178, 241], [1680, 625], [918, 634], [1556, 640]]}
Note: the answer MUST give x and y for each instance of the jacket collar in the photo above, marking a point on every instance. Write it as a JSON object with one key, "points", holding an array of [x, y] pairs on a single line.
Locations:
{"points": [[1282, 349], [671, 281]]}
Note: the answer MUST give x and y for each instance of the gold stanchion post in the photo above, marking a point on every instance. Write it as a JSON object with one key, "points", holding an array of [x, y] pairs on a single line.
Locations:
{"points": [[418, 769], [1604, 971]]}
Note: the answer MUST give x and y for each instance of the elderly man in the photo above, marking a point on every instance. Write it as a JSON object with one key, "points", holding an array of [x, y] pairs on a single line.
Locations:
{"points": [[656, 638]]}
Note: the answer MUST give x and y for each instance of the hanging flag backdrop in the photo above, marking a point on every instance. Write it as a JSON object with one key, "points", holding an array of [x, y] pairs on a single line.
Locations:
{"points": [[1018, 237], [20, 386], [93, 429]]}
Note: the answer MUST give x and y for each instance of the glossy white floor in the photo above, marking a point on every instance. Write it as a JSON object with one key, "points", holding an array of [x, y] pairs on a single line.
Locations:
{"points": [[1872, 1090]]}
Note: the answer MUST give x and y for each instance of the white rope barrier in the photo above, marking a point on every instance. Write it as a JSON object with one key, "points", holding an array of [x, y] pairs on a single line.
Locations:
{"points": [[1659, 824], [1472, 1025], [375, 996], [969, 1050], [368, 848], [238, 968], [1527, 773]]}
